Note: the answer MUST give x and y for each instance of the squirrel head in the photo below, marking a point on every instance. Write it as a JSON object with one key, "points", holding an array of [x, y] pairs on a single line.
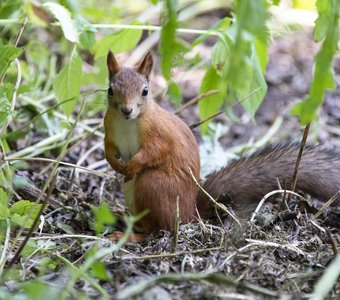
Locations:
{"points": [[128, 90]]}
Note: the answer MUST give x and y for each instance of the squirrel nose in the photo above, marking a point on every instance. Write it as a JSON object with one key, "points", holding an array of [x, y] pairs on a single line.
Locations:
{"points": [[126, 110]]}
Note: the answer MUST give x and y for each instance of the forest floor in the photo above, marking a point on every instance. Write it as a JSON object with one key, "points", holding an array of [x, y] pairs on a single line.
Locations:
{"points": [[259, 260]]}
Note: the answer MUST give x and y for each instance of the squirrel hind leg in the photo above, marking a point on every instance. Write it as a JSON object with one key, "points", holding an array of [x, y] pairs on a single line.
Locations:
{"points": [[157, 191]]}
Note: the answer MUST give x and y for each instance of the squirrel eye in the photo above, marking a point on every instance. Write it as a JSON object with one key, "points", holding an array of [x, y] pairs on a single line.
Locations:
{"points": [[145, 91], [109, 91]]}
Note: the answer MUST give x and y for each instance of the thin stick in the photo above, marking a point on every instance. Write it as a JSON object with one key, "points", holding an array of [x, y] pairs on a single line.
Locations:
{"points": [[298, 160], [270, 194], [222, 111], [138, 288], [327, 204], [221, 207], [195, 100], [206, 119], [88, 170], [176, 226], [277, 245], [164, 255], [4, 250]]}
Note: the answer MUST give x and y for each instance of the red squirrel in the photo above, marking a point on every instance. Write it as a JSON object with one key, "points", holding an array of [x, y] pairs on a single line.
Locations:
{"points": [[154, 150]]}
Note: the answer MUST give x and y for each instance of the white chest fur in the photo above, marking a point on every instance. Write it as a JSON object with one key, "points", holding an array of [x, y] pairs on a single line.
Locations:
{"points": [[126, 137]]}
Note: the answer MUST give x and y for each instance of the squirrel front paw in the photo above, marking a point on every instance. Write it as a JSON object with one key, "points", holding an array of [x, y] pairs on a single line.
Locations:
{"points": [[131, 170]]}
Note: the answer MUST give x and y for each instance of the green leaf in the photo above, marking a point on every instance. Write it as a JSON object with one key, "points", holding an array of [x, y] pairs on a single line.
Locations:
{"points": [[175, 93], [8, 7], [262, 54], [323, 21], [123, 40], [5, 105], [256, 92], [8, 54], [169, 45], [67, 83], [5, 190], [24, 212], [87, 36], [4, 212], [99, 271], [103, 217], [220, 57], [210, 105], [38, 289], [323, 73], [221, 26], [87, 40], [63, 16]]}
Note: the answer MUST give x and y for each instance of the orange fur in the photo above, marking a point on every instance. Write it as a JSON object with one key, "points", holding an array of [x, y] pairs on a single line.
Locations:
{"points": [[159, 160]]}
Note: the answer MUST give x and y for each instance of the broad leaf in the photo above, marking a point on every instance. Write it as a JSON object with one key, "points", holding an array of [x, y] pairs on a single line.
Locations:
{"points": [[103, 217], [175, 93], [8, 54], [210, 105], [63, 16], [24, 212], [67, 84], [123, 40], [257, 90], [169, 45], [87, 37], [5, 105], [323, 74]]}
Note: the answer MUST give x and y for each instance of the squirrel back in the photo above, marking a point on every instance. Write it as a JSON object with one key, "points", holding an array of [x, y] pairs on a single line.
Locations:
{"points": [[243, 183]]}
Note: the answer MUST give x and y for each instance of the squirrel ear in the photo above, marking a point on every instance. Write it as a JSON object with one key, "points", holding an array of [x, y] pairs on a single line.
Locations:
{"points": [[145, 66], [112, 65]]}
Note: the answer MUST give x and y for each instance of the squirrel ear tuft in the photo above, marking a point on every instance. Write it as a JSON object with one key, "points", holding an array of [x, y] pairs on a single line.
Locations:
{"points": [[145, 66], [112, 65]]}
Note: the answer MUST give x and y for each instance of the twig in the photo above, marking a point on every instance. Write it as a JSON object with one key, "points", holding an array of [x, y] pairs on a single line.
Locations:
{"points": [[298, 160], [66, 236], [326, 205], [176, 226], [270, 194], [195, 100], [138, 288], [4, 250], [164, 255], [222, 111], [221, 207], [276, 245], [206, 119], [88, 170]]}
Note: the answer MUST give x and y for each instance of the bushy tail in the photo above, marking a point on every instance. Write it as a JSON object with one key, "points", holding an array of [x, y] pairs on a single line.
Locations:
{"points": [[245, 181]]}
